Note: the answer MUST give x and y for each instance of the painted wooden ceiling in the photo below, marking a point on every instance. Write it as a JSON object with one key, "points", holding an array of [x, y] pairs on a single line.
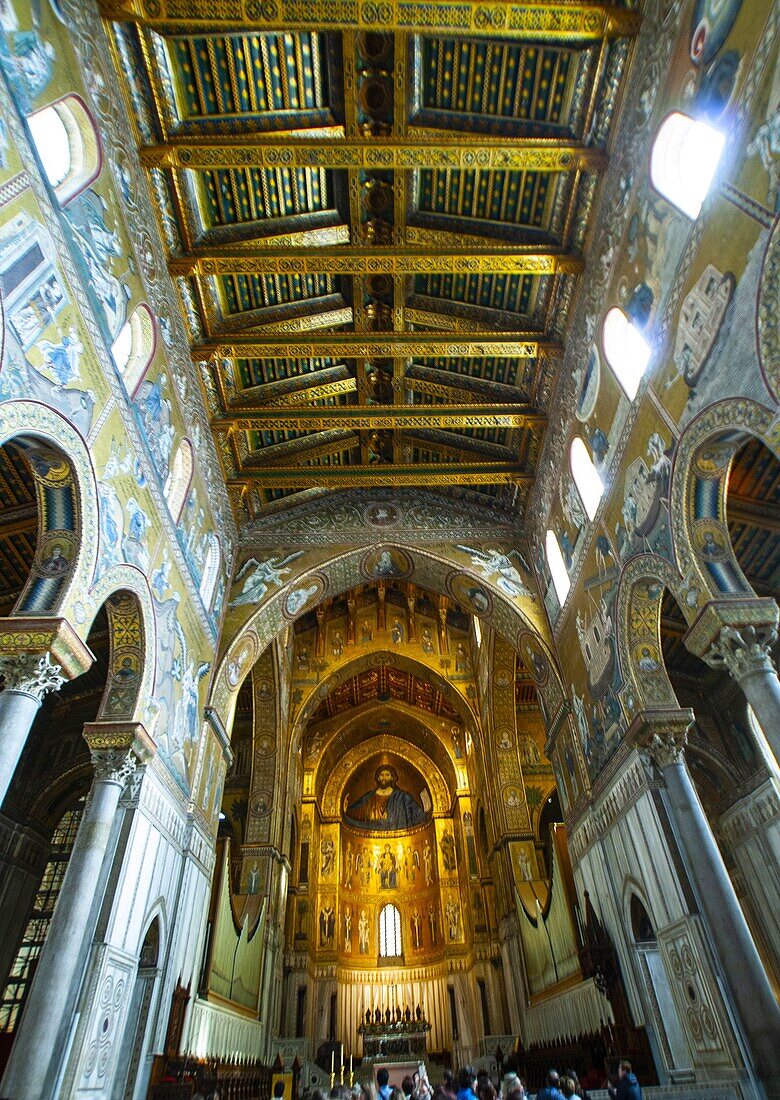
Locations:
{"points": [[18, 525], [376, 236], [382, 685]]}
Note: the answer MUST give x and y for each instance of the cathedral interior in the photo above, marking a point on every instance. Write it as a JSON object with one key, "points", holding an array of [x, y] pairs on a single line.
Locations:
{"points": [[389, 544]]}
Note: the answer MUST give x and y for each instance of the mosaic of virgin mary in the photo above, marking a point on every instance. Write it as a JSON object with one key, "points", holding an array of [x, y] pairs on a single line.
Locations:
{"points": [[387, 806]]}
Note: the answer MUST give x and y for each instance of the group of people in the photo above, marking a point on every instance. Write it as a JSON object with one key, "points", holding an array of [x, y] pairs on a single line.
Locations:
{"points": [[472, 1085]]}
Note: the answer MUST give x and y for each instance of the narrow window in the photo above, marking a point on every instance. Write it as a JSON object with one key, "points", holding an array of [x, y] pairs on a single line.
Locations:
{"points": [[179, 479], [586, 477], [208, 582], [684, 159], [557, 567], [390, 932], [68, 145], [134, 348], [626, 351]]}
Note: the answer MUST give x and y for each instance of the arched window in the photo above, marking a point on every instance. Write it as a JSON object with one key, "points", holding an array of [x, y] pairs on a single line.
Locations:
{"points": [[208, 582], [684, 159], [134, 347], [586, 477], [179, 479], [557, 567], [68, 144], [25, 962], [626, 350], [390, 933]]}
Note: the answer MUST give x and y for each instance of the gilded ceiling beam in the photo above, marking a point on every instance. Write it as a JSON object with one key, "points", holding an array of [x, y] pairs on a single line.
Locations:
{"points": [[279, 400], [382, 345], [343, 477], [534, 20], [367, 417], [466, 151], [373, 260]]}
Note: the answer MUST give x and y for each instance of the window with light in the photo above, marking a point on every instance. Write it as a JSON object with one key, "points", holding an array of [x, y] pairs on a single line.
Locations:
{"points": [[134, 347], [390, 932], [586, 477], [684, 159], [626, 351], [208, 581], [557, 567], [23, 967], [68, 145]]}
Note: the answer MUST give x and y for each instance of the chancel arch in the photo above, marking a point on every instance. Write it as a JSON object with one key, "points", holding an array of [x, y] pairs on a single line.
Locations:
{"points": [[273, 595]]}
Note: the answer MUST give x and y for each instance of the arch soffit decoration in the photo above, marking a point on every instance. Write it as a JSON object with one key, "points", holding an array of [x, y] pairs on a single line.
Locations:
{"points": [[510, 617], [34, 421], [133, 641], [337, 776], [351, 665], [639, 597], [698, 493], [336, 742]]}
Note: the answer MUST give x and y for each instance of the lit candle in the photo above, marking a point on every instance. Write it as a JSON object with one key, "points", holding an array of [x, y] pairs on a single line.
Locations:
{"points": [[342, 1055], [350, 1065], [332, 1062]]}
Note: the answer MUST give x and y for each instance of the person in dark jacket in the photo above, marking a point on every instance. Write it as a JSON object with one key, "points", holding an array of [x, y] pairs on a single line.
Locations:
{"points": [[627, 1086], [550, 1091], [467, 1083], [382, 1080]]}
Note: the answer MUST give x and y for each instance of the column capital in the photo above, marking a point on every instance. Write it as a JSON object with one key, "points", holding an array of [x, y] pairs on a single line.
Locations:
{"points": [[743, 652], [756, 619], [31, 674], [53, 636], [661, 735], [117, 749]]}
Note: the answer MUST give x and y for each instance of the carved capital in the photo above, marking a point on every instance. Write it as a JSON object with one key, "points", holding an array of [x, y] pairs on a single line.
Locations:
{"points": [[661, 735], [744, 651], [31, 673], [117, 749], [113, 765]]}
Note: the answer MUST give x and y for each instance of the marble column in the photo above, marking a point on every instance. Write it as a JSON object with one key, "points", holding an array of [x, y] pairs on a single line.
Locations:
{"points": [[738, 959], [28, 678], [39, 1045], [745, 653]]}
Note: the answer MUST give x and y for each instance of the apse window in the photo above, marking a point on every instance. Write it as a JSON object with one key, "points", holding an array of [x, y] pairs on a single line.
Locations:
{"points": [[390, 933], [557, 567], [586, 477], [684, 159], [626, 351], [68, 145]]}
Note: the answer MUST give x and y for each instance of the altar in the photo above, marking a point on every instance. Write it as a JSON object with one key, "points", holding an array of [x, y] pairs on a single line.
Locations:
{"points": [[394, 1037]]}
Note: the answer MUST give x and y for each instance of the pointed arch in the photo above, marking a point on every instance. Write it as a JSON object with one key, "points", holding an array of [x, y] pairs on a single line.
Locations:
{"points": [[698, 494], [67, 544], [125, 592]]}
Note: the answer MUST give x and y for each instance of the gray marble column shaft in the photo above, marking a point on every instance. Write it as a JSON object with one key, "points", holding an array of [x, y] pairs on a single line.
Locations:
{"points": [[39, 1044], [28, 678], [746, 654], [739, 960]]}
